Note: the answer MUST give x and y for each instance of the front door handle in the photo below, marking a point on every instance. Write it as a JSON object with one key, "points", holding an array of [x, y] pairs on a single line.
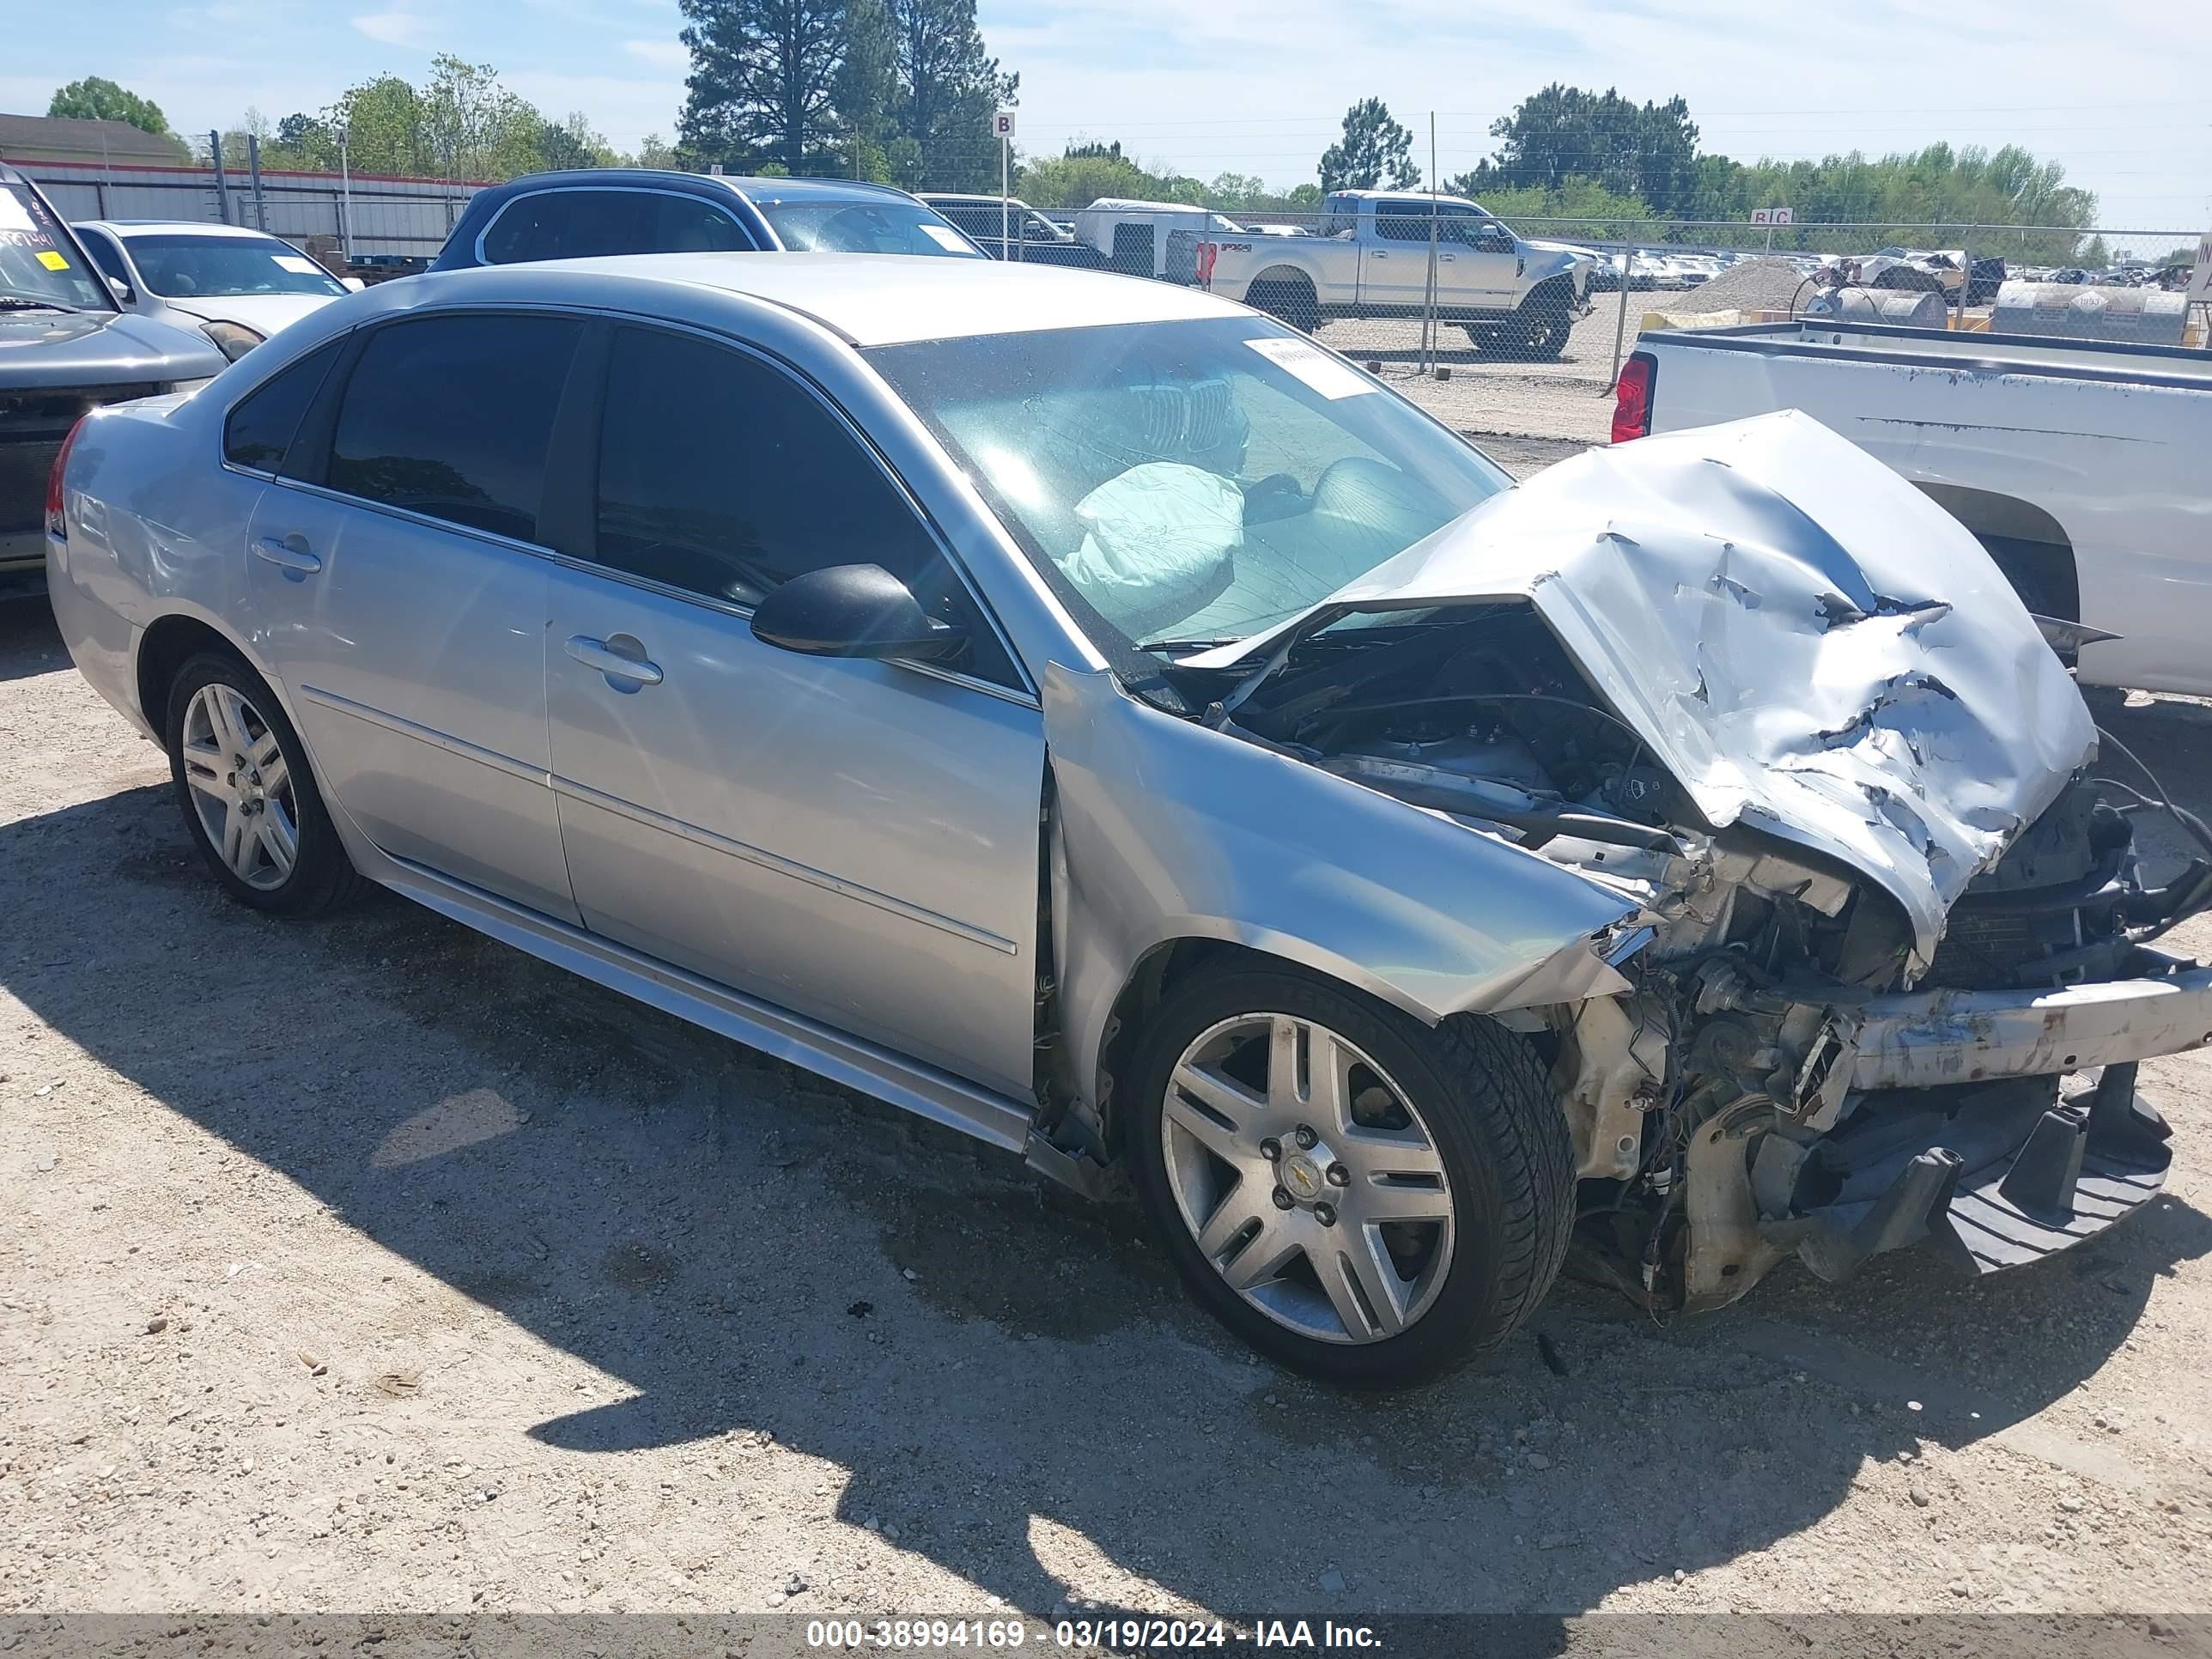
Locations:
{"points": [[1447, 258], [1377, 255], [291, 552], [611, 658]]}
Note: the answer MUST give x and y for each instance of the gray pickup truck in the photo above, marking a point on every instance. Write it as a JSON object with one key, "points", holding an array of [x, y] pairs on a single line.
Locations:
{"points": [[65, 348], [1369, 256]]}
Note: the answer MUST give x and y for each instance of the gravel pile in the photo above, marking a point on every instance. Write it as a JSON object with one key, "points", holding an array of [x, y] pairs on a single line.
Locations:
{"points": [[1754, 285]]}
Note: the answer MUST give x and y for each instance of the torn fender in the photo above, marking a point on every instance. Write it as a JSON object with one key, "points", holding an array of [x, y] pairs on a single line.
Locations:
{"points": [[1166, 830]]}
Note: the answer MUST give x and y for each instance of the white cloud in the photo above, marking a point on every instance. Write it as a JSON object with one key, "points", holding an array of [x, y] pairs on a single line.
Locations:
{"points": [[672, 56], [393, 28]]}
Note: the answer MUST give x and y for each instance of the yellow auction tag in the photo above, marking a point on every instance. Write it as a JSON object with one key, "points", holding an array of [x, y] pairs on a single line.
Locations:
{"points": [[52, 261]]}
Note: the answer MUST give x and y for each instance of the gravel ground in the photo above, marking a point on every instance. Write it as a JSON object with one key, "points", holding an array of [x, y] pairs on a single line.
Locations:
{"points": [[1570, 399], [370, 1264]]}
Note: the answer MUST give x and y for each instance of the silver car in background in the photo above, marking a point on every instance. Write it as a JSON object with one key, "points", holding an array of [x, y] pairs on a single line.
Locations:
{"points": [[1091, 715], [234, 285]]}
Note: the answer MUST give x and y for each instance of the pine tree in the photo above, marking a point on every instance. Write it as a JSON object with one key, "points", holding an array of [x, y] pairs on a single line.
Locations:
{"points": [[761, 81], [949, 90]]}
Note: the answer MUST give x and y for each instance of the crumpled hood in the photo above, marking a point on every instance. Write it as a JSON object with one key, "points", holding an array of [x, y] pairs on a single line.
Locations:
{"points": [[1810, 644]]}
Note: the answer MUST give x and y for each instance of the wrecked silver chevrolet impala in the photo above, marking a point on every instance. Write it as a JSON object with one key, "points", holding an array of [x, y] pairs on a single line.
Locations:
{"points": [[1093, 715]]}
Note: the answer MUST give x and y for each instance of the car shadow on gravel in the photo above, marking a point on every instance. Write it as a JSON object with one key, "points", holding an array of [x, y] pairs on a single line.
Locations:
{"points": [[29, 642], [1003, 1374]]}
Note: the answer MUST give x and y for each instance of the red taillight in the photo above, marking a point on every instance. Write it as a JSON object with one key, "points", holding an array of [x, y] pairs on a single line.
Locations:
{"points": [[1631, 408], [57, 519]]}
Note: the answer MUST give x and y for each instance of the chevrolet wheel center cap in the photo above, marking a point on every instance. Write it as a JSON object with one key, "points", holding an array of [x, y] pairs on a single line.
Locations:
{"points": [[1303, 1180]]}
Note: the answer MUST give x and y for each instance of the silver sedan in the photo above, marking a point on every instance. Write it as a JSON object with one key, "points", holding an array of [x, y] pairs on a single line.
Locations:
{"points": [[1088, 714]]}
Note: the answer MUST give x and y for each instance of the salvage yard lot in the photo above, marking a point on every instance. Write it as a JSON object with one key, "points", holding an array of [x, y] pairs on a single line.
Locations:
{"points": [[373, 1264]]}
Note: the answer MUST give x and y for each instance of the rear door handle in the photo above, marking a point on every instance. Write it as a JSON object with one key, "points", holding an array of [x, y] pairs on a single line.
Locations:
{"points": [[615, 664], [1447, 258], [283, 552]]}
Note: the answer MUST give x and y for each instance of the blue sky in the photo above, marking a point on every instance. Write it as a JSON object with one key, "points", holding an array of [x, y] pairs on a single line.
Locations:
{"points": [[1258, 86]]}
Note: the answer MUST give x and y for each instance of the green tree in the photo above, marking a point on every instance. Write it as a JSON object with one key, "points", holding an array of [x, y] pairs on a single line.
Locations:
{"points": [[384, 122], [1374, 146], [866, 89], [654, 151], [474, 127], [1649, 151], [949, 86], [97, 98], [762, 75], [573, 144]]}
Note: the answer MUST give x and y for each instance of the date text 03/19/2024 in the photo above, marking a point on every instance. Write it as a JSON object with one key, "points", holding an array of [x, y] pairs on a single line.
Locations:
{"points": [[1114, 1634]]}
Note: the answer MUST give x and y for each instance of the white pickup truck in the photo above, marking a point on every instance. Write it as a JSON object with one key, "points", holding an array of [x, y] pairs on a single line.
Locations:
{"points": [[2081, 465], [1369, 256]]}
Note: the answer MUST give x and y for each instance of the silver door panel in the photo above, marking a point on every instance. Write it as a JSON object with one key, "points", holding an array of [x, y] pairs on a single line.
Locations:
{"points": [[414, 655], [856, 840]]}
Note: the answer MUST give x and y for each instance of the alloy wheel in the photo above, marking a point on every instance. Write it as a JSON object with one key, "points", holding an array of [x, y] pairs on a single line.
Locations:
{"points": [[241, 786], [1307, 1178]]}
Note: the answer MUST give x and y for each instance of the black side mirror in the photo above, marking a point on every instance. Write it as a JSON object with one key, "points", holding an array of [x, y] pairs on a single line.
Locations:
{"points": [[852, 610]]}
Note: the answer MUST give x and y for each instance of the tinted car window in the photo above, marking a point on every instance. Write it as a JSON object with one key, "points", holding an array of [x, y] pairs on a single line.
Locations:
{"points": [[260, 429], [451, 417], [583, 224], [1406, 227], [720, 475], [104, 255]]}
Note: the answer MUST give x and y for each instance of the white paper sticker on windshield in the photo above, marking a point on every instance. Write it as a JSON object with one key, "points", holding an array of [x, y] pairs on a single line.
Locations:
{"points": [[947, 238], [13, 215], [297, 264], [1314, 366]]}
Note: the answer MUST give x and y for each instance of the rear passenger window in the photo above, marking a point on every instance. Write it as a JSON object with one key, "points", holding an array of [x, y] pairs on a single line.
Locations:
{"points": [[259, 430], [451, 417], [583, 224]]}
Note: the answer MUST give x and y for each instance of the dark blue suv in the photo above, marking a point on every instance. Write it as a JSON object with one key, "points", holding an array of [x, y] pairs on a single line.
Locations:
{"points": [[606, 211]]}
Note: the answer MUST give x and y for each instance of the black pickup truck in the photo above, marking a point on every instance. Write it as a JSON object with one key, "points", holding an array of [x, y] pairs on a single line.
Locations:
{"points": [[65, 346]]}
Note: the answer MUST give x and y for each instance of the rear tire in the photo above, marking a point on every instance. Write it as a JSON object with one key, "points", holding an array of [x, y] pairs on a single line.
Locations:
{"points": [[1442, 1159], [1289, 300], [242, 780]]}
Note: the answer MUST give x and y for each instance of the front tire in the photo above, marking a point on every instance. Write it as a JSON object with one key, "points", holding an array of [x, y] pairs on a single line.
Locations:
{"points": [[1358, 1196], [249, 802], [1543, 324]]}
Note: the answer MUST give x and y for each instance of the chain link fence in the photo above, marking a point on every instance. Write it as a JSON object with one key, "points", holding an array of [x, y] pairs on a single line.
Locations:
{"points": [[1522, 332]]}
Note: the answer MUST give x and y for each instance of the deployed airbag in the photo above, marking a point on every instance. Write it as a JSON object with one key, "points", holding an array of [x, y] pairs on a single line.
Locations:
{"points": [[1159, 542]]}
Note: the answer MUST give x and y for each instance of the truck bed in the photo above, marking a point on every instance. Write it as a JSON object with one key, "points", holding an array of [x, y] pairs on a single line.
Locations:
{"points": [[1938, 348], [2078, 462]]}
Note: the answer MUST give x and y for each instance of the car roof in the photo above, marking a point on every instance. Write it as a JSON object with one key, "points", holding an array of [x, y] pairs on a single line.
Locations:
{"points": [[127, 228], [870, 299], [751, 187]]}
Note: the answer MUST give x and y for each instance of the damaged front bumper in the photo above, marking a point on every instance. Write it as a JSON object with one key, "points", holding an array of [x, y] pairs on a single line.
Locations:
{"points": [[1945, 1115], [1922, 1040]]}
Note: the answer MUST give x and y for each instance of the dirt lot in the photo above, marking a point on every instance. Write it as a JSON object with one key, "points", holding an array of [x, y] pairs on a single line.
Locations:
{"points": [[1566, 399], [369, 1264]]}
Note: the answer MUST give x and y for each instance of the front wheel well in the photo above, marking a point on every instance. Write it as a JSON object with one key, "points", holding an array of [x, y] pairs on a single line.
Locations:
{"points": [[169, 644], [1158, 971]]}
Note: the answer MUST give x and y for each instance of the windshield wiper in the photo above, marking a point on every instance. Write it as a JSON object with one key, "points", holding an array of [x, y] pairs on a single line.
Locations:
{"points": [[1186, 644], [19, 302]]}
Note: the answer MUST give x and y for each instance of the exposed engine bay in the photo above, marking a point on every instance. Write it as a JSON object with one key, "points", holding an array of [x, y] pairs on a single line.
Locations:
{"points": [[1892, 992]]}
